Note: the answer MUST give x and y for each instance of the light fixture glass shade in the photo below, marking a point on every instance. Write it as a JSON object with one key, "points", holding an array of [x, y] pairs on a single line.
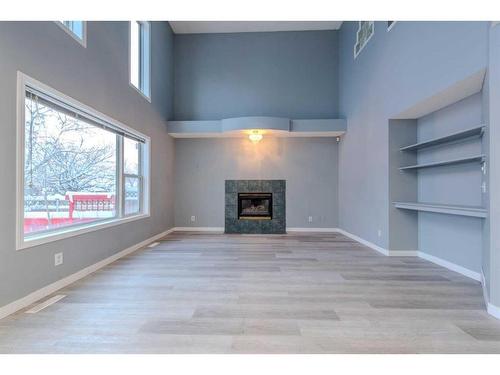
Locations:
{"points": [[255, 137]]}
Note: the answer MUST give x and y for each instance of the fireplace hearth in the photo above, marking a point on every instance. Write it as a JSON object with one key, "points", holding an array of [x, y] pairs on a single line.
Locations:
{"points": [[255, 206]]}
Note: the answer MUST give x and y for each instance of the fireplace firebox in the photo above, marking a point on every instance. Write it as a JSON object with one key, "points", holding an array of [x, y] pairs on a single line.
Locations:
{"points": [[255, 206]]}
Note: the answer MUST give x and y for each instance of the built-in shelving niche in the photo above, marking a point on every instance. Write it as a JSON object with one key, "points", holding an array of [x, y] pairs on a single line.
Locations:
{"points": [[436, 170], [444, 141]]}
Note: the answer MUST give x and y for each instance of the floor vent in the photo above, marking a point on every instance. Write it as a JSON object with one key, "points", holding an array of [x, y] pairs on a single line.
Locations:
{"points": [[153, 244], [45, 304]]}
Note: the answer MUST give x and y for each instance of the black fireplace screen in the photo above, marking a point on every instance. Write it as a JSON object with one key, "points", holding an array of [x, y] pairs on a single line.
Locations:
{"points": [[255, 206]]}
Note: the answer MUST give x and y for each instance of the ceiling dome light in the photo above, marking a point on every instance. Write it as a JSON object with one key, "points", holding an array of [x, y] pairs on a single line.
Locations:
{"points": [[255, 137]]}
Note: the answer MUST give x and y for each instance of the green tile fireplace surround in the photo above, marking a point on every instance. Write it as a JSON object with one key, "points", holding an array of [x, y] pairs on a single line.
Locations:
{"points": [[275, 225]]}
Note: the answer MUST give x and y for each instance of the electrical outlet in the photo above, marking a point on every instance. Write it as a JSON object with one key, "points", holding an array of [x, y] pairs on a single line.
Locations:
{"points": [[193, 218], [58, 259], [379, 233], [310, 219]]}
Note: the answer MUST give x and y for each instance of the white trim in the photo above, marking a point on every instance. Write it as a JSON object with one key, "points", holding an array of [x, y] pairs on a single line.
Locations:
{"points": [[403, 253], [198, 229], [139, 91], [371, 245], [221, 229], [148, 98], [51, 288], [493, 310], [83, 41], [20, 129], [24, 80], [72, 231], [318, 230], [451, 266], [386, 252], [490, 308], [483, 284], [431, 258]]}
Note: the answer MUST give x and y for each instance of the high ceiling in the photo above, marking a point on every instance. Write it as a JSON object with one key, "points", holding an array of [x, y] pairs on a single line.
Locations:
{"points": [[191, 27]]}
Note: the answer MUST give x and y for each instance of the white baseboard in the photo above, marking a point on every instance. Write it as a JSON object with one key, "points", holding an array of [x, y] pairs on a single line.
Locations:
{"points": [[198, 229], [221, 229], [483, 284], [371, 245], [451, 266], [317, 230], [493, 310], [431, 258], [51, 288], [403, 253], [381, 250]]}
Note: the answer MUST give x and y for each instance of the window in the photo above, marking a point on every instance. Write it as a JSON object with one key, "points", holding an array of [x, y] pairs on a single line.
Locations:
{"points": [[390, 25], [79, 169], [363, 35], [132, 175], [140, 57], [77, 29]]}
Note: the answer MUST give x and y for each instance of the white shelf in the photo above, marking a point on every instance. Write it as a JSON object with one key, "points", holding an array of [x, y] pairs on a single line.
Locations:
{"points": [[455, 137], [471, 159], [443, 209]]}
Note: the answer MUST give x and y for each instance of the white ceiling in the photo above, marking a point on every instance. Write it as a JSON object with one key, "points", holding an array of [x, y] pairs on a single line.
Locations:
{"points": [[192, 27]]}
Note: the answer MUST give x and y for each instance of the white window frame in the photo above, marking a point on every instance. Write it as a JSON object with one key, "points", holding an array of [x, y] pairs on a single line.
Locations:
{"points": [[24, 81], [139, 176], [70, 32], [145, 96]]}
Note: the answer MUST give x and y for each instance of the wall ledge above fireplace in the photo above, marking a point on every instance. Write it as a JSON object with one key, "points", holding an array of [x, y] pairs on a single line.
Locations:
{"points": [[239, 127]]}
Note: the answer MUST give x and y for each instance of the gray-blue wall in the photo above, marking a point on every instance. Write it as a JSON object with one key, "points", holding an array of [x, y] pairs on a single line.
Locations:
{"points": [[98, 76], [288, 74], [309, 166], [491, 113], [397, 69]]}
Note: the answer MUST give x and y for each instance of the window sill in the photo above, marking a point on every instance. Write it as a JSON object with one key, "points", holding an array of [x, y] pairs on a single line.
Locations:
{"points": [[44, 238]]}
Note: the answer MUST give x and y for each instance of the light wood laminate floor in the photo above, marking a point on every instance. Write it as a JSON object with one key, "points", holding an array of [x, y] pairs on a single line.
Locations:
{"points": [[295, 293]]}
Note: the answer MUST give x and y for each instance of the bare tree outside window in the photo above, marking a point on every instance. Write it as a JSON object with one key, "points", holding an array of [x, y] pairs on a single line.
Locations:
{"points": [[64, 156]]}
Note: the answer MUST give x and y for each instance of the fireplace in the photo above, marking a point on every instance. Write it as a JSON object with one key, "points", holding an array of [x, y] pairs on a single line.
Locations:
{"points": [[255, 206]]}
